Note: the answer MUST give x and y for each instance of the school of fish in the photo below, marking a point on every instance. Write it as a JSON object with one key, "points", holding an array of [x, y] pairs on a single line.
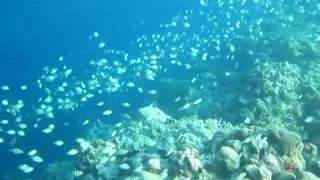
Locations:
{"points": [[66, 98]]}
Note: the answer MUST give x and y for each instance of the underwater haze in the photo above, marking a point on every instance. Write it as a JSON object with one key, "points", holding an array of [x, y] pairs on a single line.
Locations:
{"points": [[185, 89]]}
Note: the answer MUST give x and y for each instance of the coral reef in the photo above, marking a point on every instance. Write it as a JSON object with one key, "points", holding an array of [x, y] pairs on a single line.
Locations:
{"points": [[190, 148]]}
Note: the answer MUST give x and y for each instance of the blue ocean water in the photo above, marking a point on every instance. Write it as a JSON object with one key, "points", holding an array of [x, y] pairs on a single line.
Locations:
{"points": [[34, 34]]}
